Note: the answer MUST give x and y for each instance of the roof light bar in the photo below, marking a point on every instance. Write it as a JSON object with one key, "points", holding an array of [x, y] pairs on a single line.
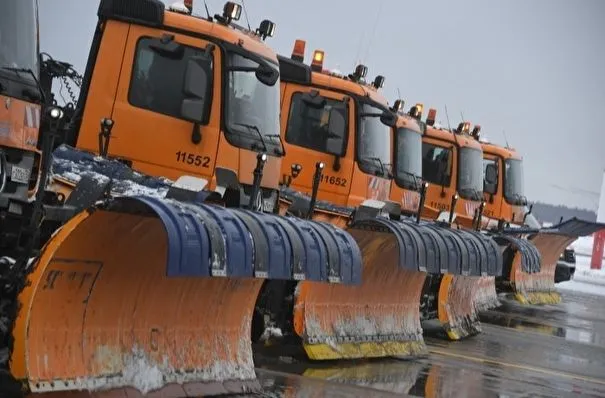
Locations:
{"points": [[318, 61], [298, 53]]}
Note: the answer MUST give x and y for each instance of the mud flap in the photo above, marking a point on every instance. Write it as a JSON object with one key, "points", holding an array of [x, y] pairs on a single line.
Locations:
{"points": [[157, 295]]}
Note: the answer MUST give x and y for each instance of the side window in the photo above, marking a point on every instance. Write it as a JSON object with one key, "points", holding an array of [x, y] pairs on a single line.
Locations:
{"points": [[436, 164], [309, 123], [158, 76], [490, 176]]}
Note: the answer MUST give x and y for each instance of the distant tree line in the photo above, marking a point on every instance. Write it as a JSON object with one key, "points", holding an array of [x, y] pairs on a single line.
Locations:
{"points": [[545, 212]]}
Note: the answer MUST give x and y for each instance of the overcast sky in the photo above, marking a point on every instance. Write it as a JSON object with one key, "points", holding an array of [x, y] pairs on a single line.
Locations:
{"points": [[532, 69]]}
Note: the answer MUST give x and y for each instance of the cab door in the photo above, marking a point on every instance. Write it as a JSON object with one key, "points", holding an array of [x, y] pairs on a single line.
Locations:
{"points": [[307, 114], [148, 126]]}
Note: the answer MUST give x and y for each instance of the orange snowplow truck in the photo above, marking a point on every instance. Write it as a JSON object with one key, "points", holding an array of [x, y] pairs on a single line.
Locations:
{"points": [[338, 132], [505, 211], [451, 171], [156, 292]]}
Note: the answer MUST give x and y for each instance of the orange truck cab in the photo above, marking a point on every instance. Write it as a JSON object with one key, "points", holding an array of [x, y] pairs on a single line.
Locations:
{"points": [[451, 166], [338, 124], [503, 185], [21, 100], [179, 94], [409, 189]]}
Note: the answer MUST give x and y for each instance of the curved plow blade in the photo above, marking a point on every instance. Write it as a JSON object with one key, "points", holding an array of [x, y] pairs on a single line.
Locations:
{"points": [[462, 293], [539, 287], [378, 318], [157, 295]]}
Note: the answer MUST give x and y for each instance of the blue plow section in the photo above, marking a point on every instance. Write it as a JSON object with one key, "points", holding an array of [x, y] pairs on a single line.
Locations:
{"points": [[206, 240], [436, 249]]}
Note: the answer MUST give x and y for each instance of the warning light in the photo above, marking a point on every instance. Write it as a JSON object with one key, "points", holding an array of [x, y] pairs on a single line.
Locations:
{"points": [[318, 61], [430, 119], [298, 53], [189, 5], [476, 134]]}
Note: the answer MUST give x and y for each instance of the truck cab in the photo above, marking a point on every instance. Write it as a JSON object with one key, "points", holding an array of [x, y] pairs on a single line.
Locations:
{"points": [[340, 123], [21, 103], [503, 186], [166, 91]]}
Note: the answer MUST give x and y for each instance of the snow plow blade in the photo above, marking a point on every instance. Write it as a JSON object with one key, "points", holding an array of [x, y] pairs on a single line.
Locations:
{"points": [[147, 294], [462, 294], [537, 286], [381, 317]]}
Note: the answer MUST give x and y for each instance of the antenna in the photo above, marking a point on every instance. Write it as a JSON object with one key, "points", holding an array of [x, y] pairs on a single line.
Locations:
{"points": [[398, 93], [367, 54], [505, 139], [246, 14], [449, 126], [462, 116], [207, 11]]}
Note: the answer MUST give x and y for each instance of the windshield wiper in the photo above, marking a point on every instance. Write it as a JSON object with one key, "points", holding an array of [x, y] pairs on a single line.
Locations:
{"points": [[27, 92], [383, 169], [473, 193], [414, 176], [261, 137]]}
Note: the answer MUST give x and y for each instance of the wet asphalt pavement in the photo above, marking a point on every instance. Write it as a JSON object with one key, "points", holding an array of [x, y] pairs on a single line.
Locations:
{"points": [[537, 351]]}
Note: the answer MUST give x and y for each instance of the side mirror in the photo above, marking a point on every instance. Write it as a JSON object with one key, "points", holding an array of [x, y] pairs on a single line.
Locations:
{"points": [[491, 174], [266, 74], [388, 118], [198, 76], [314, 100]]}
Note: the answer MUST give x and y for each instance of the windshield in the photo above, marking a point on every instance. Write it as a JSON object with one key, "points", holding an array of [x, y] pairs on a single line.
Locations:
{"points": [[513, 181], [19, 36], [408, 158], [252, 106], [374, 141], [470, 170]]}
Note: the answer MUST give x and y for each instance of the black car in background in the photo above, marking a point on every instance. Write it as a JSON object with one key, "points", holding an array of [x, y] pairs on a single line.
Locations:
{"points": [[566, 266]]}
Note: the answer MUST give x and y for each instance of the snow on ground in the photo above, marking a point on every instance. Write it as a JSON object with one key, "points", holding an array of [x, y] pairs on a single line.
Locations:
{"points": [[585, 280]]}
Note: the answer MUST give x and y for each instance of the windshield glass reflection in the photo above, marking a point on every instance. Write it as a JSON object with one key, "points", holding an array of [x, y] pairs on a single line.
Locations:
{"points": [[19, 36], [408, 159], [374, 140], [252, 107], [470, 178], [513, 181]]}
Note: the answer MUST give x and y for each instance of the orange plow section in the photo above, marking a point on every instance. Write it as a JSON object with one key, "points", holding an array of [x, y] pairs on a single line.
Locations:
{"points": [[456, 310], [539, 287], [155, 295], [378, 318], [102, 315]]}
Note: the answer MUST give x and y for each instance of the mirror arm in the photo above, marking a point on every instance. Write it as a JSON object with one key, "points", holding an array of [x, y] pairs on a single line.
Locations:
{"points": [[336, 164], [196, 133]]}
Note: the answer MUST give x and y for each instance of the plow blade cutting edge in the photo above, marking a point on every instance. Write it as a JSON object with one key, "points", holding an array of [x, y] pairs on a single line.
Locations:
{"points": [[538, 287], [381, 317], [145, 294]]}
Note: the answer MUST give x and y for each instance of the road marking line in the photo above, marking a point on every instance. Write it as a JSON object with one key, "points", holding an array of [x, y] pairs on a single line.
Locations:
{"points": [[518, 366]]}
